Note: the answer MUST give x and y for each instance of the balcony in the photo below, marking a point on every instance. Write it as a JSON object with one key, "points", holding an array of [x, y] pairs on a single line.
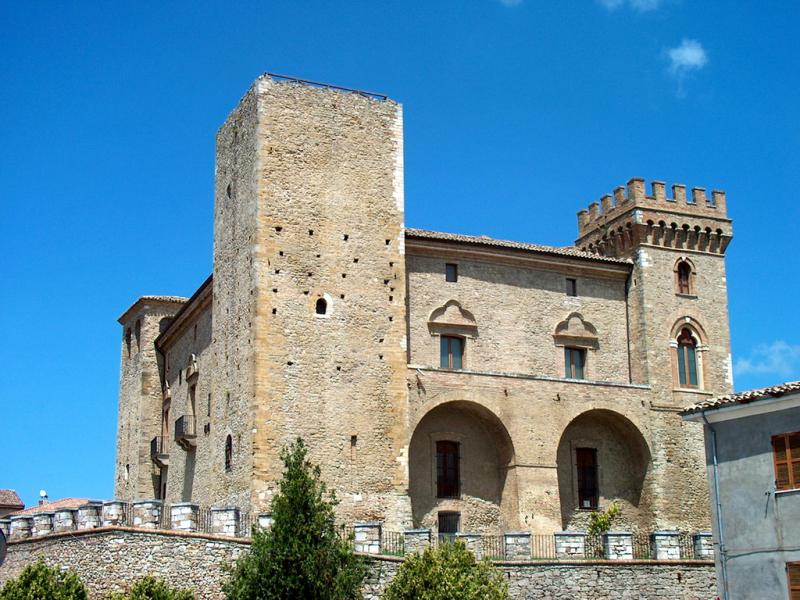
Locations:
{"points": [[185, 432], [159, 451]]}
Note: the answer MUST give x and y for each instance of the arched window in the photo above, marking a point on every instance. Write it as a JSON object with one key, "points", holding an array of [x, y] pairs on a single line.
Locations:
{"points": [[228, 453], [684, 277], [321, 306], [687, 359], [128, 340]]}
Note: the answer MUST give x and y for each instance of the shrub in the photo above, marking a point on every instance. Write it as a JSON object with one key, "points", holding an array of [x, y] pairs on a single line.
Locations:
{"points": [[38, 581], [302, 555], [450, 572], [150, 588], [600, 522]]}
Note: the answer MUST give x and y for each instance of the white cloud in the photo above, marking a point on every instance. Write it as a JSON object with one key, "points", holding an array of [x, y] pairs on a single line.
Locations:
{"points": [[778, 358], [688, 56], [637, 5]]}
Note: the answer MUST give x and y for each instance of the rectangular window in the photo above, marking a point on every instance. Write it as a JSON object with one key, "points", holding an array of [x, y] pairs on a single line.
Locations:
{"points": [[586, 463], [574, 363], [572, 287], [447, 471], [451, 352], [687, 366], [793, 577], [449, 523], [451, 272], [786, 456]]}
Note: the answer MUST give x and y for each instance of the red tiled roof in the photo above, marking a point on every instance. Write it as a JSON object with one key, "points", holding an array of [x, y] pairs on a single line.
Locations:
{"points": [[9, 498], [483, 240], [766, 393], [51, 506]]}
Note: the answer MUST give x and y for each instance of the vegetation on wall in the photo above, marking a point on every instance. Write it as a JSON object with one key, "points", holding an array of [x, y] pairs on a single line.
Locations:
{"points": [[600, 522], [449, 572], [38, 582], [303, 554]]}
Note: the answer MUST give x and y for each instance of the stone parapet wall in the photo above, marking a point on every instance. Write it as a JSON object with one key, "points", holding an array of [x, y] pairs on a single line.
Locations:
{"points": [[110, 559]]}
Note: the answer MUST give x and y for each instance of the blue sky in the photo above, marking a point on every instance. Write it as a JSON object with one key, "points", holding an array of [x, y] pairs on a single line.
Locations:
{"points": [[517, 114]]}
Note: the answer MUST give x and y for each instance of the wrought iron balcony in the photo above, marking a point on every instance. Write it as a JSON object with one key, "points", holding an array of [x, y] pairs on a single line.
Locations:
{"points": [[185, 432], [159, 451]]}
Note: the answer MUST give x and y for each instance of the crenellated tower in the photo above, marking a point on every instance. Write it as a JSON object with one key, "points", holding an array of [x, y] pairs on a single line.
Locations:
{"points": [[679, 338]]}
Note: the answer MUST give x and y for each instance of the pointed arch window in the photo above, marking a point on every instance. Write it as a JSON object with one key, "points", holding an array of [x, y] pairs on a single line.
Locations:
{"points": [[687, 359]]}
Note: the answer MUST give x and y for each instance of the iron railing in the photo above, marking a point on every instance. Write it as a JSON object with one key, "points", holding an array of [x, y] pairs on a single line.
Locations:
{"points": [[158, 447], [393, 543], [185, 427], [493, 547]]}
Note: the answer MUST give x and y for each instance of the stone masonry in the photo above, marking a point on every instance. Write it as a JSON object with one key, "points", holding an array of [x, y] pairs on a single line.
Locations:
{"points": [[324, 318], [111, 559]]}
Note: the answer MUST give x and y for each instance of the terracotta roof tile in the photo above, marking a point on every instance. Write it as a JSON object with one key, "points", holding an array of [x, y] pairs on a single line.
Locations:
{"points": [[482, 240], [51, 506], [10, 498], [766, 393]]}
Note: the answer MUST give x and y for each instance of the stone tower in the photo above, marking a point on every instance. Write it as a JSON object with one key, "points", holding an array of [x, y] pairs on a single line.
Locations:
{"points": [[309, 288], [677, 303], [140, 396]]}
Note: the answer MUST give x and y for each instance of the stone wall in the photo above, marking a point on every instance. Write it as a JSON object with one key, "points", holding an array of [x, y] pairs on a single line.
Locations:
{"points": [[140, 395], [110, 559]]}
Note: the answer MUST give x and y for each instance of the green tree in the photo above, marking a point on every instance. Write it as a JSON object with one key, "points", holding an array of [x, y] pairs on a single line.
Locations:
{"points": [[150, 588], [449, 572], [40, 582], [302, 556]]}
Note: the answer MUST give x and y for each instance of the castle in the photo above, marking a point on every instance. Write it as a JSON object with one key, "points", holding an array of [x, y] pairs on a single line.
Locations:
{"points": [[446, 381]]}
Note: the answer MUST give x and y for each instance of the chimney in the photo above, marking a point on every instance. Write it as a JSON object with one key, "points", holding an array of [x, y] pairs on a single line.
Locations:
{"points": [[42, 497]]}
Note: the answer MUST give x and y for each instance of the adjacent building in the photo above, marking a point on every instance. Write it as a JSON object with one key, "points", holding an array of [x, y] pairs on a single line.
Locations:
{"points": [[440, 380], [753, 457], [9, 502]]}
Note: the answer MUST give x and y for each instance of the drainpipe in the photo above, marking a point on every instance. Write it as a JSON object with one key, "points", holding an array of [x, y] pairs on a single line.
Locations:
{"points": [[720, 533]]}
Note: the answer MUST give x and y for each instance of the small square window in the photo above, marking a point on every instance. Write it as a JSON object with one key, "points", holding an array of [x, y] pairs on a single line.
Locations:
{"points": [[572, 287], [451, 272]]}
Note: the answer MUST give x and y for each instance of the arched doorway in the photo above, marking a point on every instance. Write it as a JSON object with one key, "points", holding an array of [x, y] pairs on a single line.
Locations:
{"points": [[603, 457], [461, 470]]}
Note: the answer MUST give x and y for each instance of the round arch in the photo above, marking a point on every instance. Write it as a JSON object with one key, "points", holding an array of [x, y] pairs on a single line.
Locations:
{"points": [[485, 493], [602, 456]]}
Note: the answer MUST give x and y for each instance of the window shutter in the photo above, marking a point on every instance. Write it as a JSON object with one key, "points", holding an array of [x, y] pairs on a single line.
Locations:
{"points": [[786, 456], [793, 576]]}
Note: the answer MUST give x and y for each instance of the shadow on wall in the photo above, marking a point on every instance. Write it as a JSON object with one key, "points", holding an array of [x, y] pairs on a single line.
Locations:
{"points": [[602, 456], [477, 480]]}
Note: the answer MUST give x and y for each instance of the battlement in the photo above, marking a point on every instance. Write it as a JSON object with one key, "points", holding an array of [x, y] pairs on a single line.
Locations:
{"points": [[629, 217], [631, 196]]}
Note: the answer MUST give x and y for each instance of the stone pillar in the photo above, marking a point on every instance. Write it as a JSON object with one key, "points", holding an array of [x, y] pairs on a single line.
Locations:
{"points": [[367, 537], [416, 540], [5, 527], [42, 523], [147, 514], [570, 544], [473, 543], [664, 545], [703, 545], [225, 520], [64, 519], [90, 515], [618, 545], [517, 545], [114, 513], [21, 527], [265, 520], [184, 516]]}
